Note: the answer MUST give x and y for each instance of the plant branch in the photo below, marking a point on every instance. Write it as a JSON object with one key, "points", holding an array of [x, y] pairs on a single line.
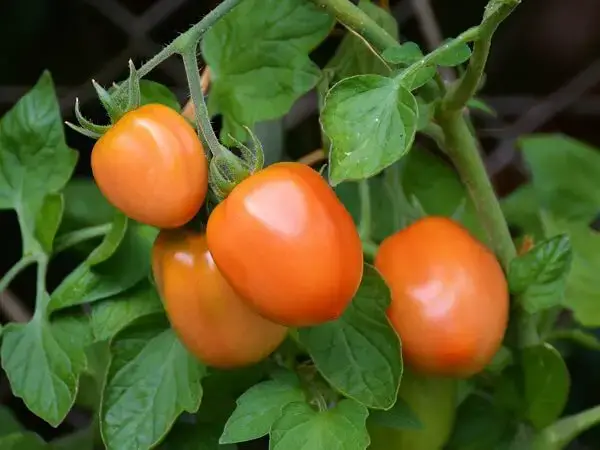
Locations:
{"points": [[353, 18], [15, 270], [364, 193], [205, 129], [562, 432], [466, 87], [461, 147], [69, 240]]}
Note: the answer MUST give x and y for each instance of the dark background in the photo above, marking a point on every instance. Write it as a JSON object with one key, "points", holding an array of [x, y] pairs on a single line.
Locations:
{"points": [[543, 75]]}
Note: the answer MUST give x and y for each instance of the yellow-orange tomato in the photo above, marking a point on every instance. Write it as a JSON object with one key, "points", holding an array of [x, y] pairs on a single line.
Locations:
{"points": [[151, 165], [208, 316], [450, 298], [287, 245]]}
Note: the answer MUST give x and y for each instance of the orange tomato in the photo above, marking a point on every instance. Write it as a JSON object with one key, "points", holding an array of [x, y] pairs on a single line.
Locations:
{"points": [[151, 165], [287, 245], [209, 317], [450, 300]]}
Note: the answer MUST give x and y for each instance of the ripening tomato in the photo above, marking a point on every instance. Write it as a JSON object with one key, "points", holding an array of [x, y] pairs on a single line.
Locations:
{"points": [[450, 298], [433, 401], [151, 165], [287, 245], [208, 316]]}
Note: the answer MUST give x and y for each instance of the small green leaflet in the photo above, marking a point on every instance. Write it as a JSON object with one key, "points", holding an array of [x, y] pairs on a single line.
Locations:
{"points": [[359, 354], [452, 53], [151, 380], [400, 417], [546, 383], [34, 161], [259, 60], [153, 92], [300, 427], [371, 122], [258, 409], [43, 368], [539, 276], [405, 54]]}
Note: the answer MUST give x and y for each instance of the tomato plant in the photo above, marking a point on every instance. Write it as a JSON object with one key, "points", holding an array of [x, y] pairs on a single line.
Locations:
{"points": [[265, 234], [207, 314], [449, 297], [208, 285]]}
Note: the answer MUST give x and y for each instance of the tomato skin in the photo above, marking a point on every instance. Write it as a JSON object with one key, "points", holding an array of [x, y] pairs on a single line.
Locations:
{"points": [[208, 316], [287, 245], [433, 401], [450, 299], [151, 166]]}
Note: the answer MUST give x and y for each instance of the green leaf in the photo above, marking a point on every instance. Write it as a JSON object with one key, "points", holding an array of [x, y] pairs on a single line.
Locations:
{"points": [[371, 122], [581, 295], [151, 380], [480, 425], [553, 159], [259, 60], [399, 417], [546, 383], [48, 220], [74, 334], [41, 368], [34, 158], [8, 422], [258, 409], [22, 441], [405, 54], [452, 53], [300, 427], [522, 209], [353, 56], [539, 276], [116, 265], [359, 354], [153, 92], [193, 436], [79, 194], [112, 315], [417, 76]]}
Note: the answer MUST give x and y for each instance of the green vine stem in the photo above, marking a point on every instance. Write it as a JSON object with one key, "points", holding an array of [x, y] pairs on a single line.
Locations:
{"points": [[14, 271], [205, 130], [562, 432], [353, 18], [73, 238], [364, 194]]}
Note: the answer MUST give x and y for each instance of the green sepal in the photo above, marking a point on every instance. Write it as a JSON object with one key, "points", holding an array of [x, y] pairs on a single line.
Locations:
{"points": [[84, 131], [253, 158], [133, 88], [113, 109], [87, 124], [226, 172]]}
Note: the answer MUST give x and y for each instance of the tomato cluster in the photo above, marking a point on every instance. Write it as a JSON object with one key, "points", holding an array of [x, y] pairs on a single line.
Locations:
{"points": [[282, 251]]}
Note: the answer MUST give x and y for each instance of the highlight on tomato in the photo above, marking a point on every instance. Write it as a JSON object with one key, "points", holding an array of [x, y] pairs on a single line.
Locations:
{"points": [[151, 165], [450, 300], [287, 245], [208, 316]]}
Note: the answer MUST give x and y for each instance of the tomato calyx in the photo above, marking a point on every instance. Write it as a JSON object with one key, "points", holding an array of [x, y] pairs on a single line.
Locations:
{"points": [[227, 170], [117, 101]]}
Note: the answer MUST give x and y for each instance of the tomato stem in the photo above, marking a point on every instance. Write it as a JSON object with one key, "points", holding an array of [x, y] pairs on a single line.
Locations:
{"points": [[562, 432], [205, 129], [69, 240], [352, 17], [15, 270], [466, 87]]}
